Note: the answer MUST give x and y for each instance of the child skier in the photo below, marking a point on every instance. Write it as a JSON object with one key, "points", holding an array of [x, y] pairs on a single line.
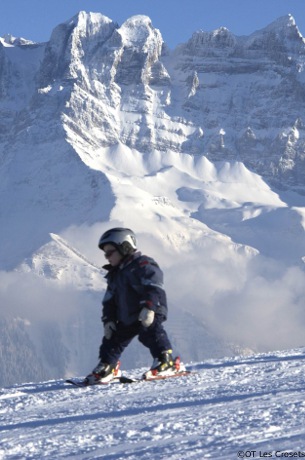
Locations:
{"points": [[134, 305]]}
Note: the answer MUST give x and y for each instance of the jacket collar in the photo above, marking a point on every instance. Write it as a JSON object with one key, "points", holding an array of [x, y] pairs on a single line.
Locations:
{"points": [[126, 261]]}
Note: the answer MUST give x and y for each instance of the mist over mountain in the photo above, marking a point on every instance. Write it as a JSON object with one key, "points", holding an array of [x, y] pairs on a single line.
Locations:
{"points": [[199, 149]]}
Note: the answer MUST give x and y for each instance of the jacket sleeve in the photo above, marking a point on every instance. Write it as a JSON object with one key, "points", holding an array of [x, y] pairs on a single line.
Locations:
{"points": [[109, 307], [151, 292]]}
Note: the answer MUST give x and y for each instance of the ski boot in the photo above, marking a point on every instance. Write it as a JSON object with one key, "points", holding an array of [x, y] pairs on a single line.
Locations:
{"points": [[104, 373], [163, 365]]}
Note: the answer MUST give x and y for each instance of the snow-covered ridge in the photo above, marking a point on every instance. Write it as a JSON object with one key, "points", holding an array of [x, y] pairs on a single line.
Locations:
{"points": [[8, 40]]}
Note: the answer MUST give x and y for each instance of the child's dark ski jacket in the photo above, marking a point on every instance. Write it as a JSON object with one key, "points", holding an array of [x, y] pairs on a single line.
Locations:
{"points": [[136, 283]]}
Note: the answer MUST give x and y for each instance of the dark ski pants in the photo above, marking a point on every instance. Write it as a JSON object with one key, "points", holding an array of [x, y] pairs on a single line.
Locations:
{"points": [[154, 338]]}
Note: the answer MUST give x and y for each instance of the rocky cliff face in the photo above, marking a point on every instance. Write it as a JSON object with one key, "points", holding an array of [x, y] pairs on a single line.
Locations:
{"points": [[249, 97], [217, 95]]}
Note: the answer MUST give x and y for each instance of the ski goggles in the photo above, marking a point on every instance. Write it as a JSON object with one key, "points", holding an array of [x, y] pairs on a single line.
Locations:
{"points": [[109, 253]]}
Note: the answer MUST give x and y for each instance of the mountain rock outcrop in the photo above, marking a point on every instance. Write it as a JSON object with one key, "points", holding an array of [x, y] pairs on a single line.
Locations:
{"points": [[217, 95]]}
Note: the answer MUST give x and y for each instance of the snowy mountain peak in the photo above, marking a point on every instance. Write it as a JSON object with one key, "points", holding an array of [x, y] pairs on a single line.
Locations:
{"points": [[91, 25], [284, 25], [281, 36], [89, 19], [72, 41], [136, 30], [9, 40], [220, 38]]}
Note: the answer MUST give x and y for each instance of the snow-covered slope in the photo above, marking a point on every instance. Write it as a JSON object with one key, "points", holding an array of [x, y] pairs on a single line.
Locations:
{"points": [[199, 149], [230, 408]]}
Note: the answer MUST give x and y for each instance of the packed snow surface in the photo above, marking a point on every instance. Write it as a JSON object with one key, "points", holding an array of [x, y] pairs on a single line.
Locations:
{"points": [[250, 407]]}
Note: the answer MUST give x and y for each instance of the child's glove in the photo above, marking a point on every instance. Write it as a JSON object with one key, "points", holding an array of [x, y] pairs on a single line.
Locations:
{"points": [[146, 316], [109, 329]]}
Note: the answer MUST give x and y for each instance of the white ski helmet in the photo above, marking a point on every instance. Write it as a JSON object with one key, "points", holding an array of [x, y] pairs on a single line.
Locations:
{"points": [[123, 239]]}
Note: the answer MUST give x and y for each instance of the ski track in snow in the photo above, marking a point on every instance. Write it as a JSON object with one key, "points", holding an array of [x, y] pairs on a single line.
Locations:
{"points": [[253, 405]]}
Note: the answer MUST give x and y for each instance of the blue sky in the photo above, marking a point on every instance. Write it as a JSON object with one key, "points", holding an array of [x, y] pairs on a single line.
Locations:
{"points": [[177, 19]]}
